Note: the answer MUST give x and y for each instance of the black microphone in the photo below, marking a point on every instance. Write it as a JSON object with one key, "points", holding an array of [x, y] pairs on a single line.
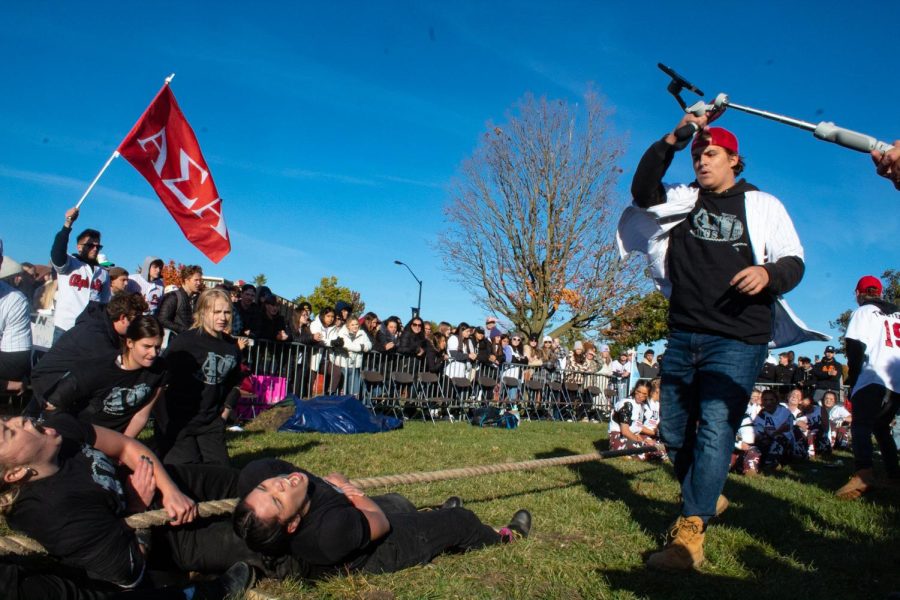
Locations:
{"points": [[679, 79]]}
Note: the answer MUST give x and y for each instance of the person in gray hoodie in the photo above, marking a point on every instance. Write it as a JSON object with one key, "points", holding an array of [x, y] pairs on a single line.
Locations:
{"points": [[149, 283]]}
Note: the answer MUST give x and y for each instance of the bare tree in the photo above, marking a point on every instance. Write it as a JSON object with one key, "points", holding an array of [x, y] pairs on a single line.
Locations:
{"points": [[532, 218]]}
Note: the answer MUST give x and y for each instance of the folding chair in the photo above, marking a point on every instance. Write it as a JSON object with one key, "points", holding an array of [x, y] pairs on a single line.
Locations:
{"points": [[507, 384], [461, 395], [401, 383], [486, 387], [373, 389], [429, 393], [572, 398], [533, 396]]}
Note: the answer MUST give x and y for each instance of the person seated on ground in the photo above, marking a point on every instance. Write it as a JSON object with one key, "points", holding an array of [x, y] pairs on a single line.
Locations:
{"points": [[773, 429], [204, 365], [329, 526], [116, 393], [626, 422], [746, 455], [813, 428], [792, 402], [839, 419], [61, 487], [97, 335], [650, 418]]}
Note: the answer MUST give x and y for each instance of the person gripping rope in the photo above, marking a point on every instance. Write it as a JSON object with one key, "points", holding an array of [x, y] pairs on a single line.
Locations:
{"points": [[723, 252]]}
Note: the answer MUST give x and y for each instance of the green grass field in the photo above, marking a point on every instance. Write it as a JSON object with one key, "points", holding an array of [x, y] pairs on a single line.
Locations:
{"points": [[784, 536]]}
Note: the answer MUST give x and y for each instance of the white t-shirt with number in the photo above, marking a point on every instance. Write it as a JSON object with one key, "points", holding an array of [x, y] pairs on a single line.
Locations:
{"points": [[880, 332]]}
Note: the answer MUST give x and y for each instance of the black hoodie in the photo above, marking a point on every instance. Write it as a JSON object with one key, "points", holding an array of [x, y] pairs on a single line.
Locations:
{"points": [[706, 250]]}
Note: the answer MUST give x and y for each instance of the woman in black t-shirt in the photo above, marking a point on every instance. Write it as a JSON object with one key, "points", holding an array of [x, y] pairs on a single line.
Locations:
{"points": [[204, 365], [66, 484], [329, 526], [117, 394], [60, 486]]}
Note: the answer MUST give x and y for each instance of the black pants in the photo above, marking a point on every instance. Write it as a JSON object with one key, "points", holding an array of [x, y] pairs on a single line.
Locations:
{"points": [[417, 537], [208, 545], [874, 407], [14, 366], [194, 445], [22, 583]]}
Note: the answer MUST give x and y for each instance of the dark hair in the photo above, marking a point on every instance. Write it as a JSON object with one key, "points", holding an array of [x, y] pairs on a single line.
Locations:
{"points": [[144, 326], [248, 286], [268, 537], [129, 305], [325, 311], [641, 383], [87, 233], [189, 271], [306, 306]]}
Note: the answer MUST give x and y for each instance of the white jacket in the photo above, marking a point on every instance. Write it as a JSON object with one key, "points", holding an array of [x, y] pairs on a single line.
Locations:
{"points": [[355, 344], [329, 334], [770, 229]]}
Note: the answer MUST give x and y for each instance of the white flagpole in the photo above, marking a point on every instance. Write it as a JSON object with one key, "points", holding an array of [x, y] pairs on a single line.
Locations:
{"points": [[94, 182], [112, 157]]}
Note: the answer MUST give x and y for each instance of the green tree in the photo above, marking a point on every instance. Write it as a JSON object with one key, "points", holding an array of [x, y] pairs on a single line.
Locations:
{"points": [[328, 293], [531, 219], [260, 279], [642, 322], [891, 281]]}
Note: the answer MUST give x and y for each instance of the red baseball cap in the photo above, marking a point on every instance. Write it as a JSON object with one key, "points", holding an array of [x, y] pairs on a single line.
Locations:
{"points": [[715, 136], [869, 285]]}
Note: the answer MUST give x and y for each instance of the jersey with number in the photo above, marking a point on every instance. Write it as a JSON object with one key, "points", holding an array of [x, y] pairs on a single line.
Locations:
{"points": [[651, 414], [880, 332]]}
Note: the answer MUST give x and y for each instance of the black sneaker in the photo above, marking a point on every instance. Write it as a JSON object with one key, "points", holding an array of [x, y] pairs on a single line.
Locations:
{"points": [[233, 583], [452, 502], [519, 527]]}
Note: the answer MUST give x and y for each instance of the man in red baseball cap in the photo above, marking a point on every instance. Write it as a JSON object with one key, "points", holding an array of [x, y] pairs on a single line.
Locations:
{"points": [[723, 252], [873, 361]]}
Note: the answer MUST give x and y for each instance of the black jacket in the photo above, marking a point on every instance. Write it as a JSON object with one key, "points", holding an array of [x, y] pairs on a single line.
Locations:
{"points": [[176, 310], [92, 337]]}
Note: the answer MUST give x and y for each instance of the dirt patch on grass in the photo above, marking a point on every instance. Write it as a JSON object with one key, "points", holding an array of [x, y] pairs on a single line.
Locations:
{"points": [[270, 420], [377, 595]]}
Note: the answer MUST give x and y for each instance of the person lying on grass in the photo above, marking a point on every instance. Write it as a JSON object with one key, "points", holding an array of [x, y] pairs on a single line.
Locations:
{"points": [[69, 485], [329, 526]]}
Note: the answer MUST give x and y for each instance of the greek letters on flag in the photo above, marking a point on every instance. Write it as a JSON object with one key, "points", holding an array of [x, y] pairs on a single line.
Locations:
{"points": [[163, 148]]}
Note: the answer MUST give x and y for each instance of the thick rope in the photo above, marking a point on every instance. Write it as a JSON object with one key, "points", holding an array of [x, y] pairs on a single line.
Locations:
{"points": [[16, 544]]}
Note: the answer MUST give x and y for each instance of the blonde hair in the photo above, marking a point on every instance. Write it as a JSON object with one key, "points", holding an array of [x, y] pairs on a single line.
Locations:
{"points": [[206, 303]]}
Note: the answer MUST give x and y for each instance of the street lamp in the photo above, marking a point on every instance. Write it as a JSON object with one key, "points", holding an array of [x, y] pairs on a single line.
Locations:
{"points": [[418, 309]]}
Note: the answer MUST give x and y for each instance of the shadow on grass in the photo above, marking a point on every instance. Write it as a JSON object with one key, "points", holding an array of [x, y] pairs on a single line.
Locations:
{"points": [[242, 458], [795, 551]]}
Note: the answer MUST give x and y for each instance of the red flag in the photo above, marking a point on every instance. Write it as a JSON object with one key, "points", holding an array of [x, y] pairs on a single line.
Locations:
{"points": [[163, 148]]}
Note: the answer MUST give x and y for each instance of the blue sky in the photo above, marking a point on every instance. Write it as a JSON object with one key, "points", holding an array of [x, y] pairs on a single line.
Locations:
{"points": [[333, 129]]}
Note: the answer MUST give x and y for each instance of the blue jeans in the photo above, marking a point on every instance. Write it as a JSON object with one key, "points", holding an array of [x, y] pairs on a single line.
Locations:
{"points": [[706, 384]]}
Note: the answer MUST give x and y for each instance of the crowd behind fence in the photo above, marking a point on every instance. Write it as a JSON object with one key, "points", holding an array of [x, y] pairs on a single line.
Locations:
{"points": [[400, 385]]}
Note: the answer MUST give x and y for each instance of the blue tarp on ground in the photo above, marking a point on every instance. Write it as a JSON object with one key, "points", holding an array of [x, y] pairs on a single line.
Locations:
{"points": [[336, 414]]}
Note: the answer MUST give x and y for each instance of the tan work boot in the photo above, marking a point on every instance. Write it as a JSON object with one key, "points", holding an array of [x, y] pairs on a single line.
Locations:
{"points": [[721, 504], [684, 550], [858, 485]]}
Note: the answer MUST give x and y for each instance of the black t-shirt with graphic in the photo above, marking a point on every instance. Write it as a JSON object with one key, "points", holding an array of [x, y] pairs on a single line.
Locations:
{"points": [[76, 513], [706, 250], [203, 371], [103, 393], [334, 536]]}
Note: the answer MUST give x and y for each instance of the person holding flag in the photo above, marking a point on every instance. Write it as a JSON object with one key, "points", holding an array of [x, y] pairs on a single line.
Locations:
{"points": [[81, 279]]}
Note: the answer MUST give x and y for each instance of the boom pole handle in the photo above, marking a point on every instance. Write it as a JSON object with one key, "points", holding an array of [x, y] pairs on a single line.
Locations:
{"points": [[849, 139]]}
